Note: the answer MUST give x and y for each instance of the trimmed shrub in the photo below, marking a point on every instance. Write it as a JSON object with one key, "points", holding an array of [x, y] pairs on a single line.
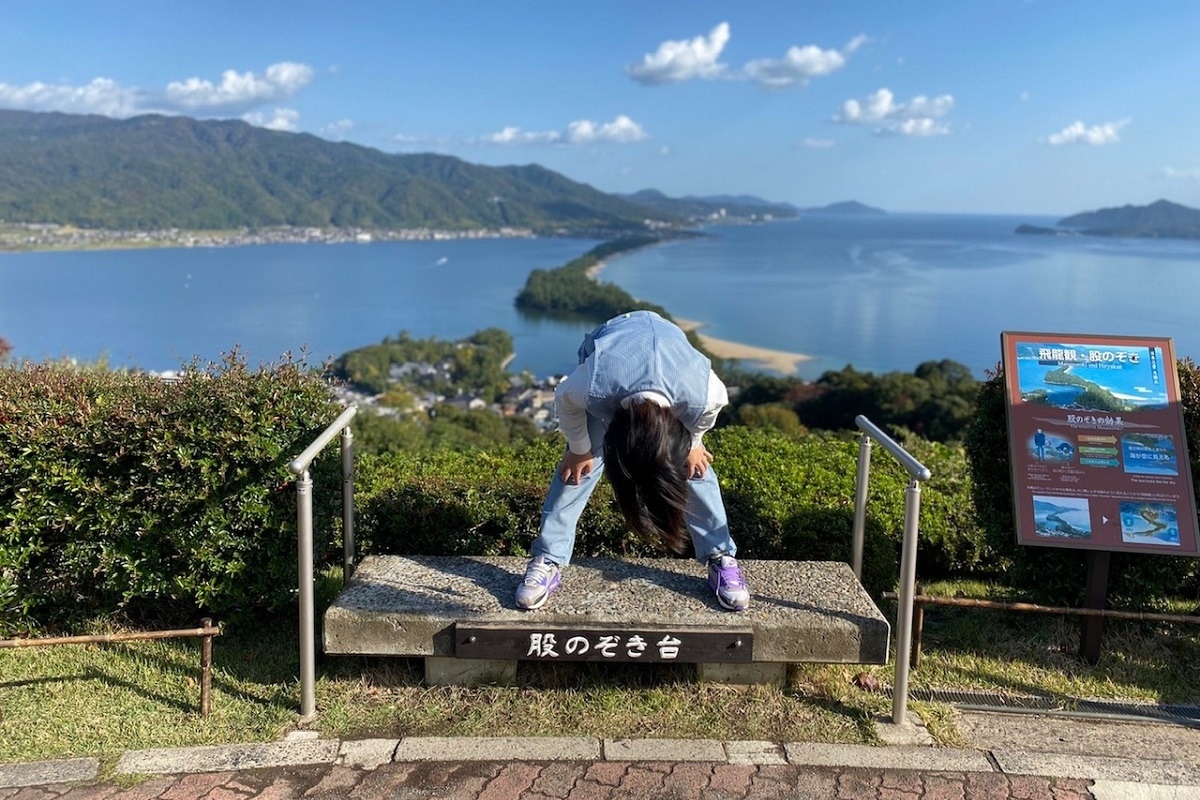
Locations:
{"points": [[793, 498], [1058, 576], [786, 498], [475, 503], [122, 491]]}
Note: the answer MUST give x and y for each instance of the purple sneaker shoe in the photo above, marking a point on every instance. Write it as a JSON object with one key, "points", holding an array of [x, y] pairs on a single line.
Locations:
{"points": [[541, 578], [726, 581]]}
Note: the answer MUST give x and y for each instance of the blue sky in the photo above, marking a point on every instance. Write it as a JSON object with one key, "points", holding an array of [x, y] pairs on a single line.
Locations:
{"points": [[977, 106]]}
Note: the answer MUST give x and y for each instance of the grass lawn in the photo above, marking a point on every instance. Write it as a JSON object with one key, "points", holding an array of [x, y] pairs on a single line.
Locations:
{"points": [[100, 700]]}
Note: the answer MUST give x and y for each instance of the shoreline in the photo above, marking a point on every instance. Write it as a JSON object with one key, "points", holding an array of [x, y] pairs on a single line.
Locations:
{"points": [[33, 238], [781, 361]]}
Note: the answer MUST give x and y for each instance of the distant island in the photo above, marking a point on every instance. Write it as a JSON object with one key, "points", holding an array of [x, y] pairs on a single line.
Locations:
{"points": [[1160, 220], [714, 208], [849, 208]]}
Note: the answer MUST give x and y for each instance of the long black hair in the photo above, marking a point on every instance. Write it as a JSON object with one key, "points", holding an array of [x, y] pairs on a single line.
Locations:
{"points": [[645, 458]]}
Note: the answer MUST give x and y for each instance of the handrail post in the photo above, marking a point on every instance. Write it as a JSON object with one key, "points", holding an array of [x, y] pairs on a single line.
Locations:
{"points": [[347, 506], [308, 658], [206, 650], [304, 546], [904, 620], [860, 505]]}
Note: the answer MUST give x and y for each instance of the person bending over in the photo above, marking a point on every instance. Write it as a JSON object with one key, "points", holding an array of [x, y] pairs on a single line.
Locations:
{"points": [[637, 406]]}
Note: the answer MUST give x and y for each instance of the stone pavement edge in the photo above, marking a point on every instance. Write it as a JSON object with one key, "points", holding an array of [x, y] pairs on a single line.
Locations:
{"points": [[1017, 757]]}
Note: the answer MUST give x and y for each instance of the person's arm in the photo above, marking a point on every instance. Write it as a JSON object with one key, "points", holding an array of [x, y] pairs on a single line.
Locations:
{"points": [[718, 397], [570, 403]]}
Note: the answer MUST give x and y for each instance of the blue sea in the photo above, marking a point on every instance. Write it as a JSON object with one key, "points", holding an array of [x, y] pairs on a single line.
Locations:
{"points": [[880, 293]]}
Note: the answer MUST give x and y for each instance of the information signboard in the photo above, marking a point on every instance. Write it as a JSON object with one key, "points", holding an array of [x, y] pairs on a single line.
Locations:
{"points": [[1096, 438]]}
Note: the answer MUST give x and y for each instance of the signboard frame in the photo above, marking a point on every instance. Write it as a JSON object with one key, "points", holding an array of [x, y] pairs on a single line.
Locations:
{"points": [[685, 644], [1097, 444]]}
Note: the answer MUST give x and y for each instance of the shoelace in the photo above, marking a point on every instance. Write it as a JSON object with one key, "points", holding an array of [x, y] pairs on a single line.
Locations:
{"points": [[731, 575], [539, 572]]}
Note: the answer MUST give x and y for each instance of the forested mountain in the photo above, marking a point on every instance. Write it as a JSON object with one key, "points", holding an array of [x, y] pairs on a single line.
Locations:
{"points": [[156, 171], [1160, 219], [690, 207]]}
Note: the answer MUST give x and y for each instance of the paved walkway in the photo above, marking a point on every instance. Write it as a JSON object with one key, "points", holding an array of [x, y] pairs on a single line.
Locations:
{"points": [[593, 769]]}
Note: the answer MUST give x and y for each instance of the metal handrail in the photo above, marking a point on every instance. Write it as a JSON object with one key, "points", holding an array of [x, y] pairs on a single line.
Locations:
{"points": [[304, 548], [917, 472]]}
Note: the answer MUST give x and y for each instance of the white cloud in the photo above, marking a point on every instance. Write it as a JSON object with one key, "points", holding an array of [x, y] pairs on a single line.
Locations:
{"points": [[101, 96], [281, 119], [680, 60], [818, 144], [800, 64], [237, 92], [621, 130], [241, 89], [512, 135], [677, 61], [1182, 174], [337, 131], [1097, 135], [855, 43], [920, 116], [797, 66]]}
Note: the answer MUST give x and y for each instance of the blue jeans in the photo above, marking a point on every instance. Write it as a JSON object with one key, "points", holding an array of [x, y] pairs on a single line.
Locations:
{"points": [[704, 514]]}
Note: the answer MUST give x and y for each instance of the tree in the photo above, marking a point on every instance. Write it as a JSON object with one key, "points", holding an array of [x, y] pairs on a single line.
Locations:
{"points": [[777, 416]]}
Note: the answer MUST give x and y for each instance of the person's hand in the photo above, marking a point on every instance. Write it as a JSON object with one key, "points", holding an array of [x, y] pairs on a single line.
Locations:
{"points": [[697, 462], [574, 468]]}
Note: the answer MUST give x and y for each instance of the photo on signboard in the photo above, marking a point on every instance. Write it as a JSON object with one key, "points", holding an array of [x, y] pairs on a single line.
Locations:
{"points": [[1150, 454], [1051, 447], [1091, 377], [1149, 523], [1062, 517]]}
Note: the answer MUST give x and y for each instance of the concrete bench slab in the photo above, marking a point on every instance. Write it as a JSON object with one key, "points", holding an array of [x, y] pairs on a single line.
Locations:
{"points": [[802, 611]]}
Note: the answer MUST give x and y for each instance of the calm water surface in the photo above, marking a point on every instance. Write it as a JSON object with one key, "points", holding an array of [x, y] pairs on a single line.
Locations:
{"points": [[157, 309], [881, 293], [886, 293]]}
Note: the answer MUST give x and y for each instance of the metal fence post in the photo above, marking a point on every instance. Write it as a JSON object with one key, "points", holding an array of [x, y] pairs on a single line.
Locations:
{"points": [[304, 535], [347, 506], [904, 618], [860, 505], [206, 653], [308, 657]]}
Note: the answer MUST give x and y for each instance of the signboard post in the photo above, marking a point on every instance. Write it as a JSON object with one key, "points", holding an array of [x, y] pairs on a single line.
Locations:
{"points": [[1098, 453]]}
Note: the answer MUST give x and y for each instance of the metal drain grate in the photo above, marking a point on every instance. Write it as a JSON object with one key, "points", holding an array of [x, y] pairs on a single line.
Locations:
{"points": [[1054, 706]]}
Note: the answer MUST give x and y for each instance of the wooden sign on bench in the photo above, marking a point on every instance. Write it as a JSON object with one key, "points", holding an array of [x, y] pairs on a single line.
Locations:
{"points": [[647, 644]]}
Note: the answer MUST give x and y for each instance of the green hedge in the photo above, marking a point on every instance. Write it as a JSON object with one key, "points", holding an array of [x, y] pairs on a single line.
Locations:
{"points": [[1058, 576], [125, 491], [787, 498]]}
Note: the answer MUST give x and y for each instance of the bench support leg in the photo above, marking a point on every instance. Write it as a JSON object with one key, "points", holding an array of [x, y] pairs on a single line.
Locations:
{"points": [[441, 671], [743, 674]]}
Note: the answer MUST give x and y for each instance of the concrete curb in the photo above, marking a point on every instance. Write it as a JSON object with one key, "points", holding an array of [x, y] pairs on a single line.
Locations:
{"points": [[1158, 779], [227, 758], [37, 773]]}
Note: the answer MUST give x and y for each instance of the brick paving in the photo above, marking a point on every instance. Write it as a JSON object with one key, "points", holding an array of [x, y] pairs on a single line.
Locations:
{"points": [[571, 780]]}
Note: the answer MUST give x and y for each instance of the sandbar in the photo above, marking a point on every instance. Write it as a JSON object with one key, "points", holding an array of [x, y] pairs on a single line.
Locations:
{"points": [[781, 361]]}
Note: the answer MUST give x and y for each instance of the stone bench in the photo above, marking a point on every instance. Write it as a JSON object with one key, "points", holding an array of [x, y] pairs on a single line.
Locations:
{"points": [[459, 615]]}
